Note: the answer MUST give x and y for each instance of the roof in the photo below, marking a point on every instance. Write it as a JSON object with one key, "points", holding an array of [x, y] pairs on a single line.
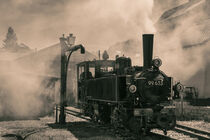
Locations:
{"points": [[47, 60], [98, 62], [181, 10]]}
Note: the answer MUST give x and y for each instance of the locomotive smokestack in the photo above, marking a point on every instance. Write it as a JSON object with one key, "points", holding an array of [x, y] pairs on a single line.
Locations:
{"points": [[147, 50]]}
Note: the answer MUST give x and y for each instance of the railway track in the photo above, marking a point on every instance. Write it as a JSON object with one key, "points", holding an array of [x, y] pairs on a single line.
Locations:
{"points": [[121, 133], [178, 132], [186, 133], [192, 132]]}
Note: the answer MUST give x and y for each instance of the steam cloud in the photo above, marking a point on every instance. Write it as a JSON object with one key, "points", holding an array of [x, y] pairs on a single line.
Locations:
{"points": [[184, 49], [23, 95], [181, 41], [97, 24]]}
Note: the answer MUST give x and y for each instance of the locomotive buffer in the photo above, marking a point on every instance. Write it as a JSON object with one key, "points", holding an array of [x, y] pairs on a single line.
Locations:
{"points": [[67, 48]]}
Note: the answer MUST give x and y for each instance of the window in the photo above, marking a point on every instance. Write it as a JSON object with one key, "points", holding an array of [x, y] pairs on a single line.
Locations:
{"points": [[81, 72], [92, 70], [106, 69]]}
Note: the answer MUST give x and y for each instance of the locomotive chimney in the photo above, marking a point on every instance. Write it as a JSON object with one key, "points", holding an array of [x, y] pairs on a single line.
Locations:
{"points": [[147, 50]]}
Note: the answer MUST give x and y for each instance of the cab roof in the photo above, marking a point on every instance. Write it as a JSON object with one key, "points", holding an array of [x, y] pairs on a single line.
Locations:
{"points": [[98, 62]]}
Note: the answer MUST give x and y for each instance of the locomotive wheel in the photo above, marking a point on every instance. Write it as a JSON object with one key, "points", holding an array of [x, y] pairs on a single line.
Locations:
{"points": [[166, 122], [94, 118], [147, 131], [134, 125], [87, 110], [115, 120], [104, 113]]}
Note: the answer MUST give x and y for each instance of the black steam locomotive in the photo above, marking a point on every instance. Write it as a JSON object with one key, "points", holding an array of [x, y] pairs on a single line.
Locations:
{"points": [[137, 97]]}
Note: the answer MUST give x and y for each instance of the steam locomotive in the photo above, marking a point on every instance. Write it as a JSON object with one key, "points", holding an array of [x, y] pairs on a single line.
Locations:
{"points": [[135, 97]]}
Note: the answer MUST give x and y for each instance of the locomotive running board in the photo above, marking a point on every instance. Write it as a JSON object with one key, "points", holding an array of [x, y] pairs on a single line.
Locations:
{"points": [[107, 101]]}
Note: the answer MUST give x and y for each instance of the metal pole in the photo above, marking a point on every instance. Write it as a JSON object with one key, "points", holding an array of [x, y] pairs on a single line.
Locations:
{"points": [[62, 117], [64, 70], [182, 106], [56, 113]]}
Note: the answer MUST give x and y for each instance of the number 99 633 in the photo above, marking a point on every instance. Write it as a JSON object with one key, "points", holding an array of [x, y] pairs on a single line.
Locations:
{"points": [[155, 83]]}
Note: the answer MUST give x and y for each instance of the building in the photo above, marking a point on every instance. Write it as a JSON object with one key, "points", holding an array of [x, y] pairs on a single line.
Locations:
{"points": [[46, 63]]}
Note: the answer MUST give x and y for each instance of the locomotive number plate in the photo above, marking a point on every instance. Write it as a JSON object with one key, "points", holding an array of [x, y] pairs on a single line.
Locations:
{"points": [[155, 83]]}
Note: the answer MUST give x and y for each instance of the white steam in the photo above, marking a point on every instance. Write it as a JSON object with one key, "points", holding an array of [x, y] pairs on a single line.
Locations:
{"points": [[96, 23], [23, 94], [179, 62], [100, 24]]}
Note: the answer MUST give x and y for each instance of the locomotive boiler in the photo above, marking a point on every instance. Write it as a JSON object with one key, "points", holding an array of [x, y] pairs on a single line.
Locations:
{"points": [[135, 97]]}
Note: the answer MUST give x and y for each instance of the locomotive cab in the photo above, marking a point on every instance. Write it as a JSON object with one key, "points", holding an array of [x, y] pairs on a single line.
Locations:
{"points": [[88, 72], [95, 69]]}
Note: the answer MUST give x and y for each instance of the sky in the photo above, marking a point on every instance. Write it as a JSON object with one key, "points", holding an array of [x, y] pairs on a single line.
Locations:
{"points": [[96, 24]]}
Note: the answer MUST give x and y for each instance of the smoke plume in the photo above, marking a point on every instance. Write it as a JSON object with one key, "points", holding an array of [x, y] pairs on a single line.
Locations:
{"points": [[96, 24], [40, 23], [25, 94], [183, 48], [181, 41]]}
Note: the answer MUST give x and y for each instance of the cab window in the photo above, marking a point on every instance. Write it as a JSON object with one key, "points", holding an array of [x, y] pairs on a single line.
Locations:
{"points": [[81, 72], [92, 70], [106, 69]]}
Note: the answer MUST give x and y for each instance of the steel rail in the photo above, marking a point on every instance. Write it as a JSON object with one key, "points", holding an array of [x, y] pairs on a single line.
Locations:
{"points": [[190, 133], [193, 129]]}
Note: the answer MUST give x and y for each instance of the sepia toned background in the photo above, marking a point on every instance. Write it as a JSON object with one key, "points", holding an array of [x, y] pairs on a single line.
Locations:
{"points": [[181, 29]]}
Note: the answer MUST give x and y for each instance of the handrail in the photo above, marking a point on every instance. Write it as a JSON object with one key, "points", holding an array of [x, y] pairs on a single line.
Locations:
{"points": [[70, 112]]}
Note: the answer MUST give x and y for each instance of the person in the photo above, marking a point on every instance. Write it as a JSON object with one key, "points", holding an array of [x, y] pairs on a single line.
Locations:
{"points": [[89, 75], [176, 92]]}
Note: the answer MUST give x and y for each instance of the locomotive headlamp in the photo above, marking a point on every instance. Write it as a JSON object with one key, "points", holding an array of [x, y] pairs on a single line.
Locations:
{"points": [[157, 62], [132, 88], [179, 87]]}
